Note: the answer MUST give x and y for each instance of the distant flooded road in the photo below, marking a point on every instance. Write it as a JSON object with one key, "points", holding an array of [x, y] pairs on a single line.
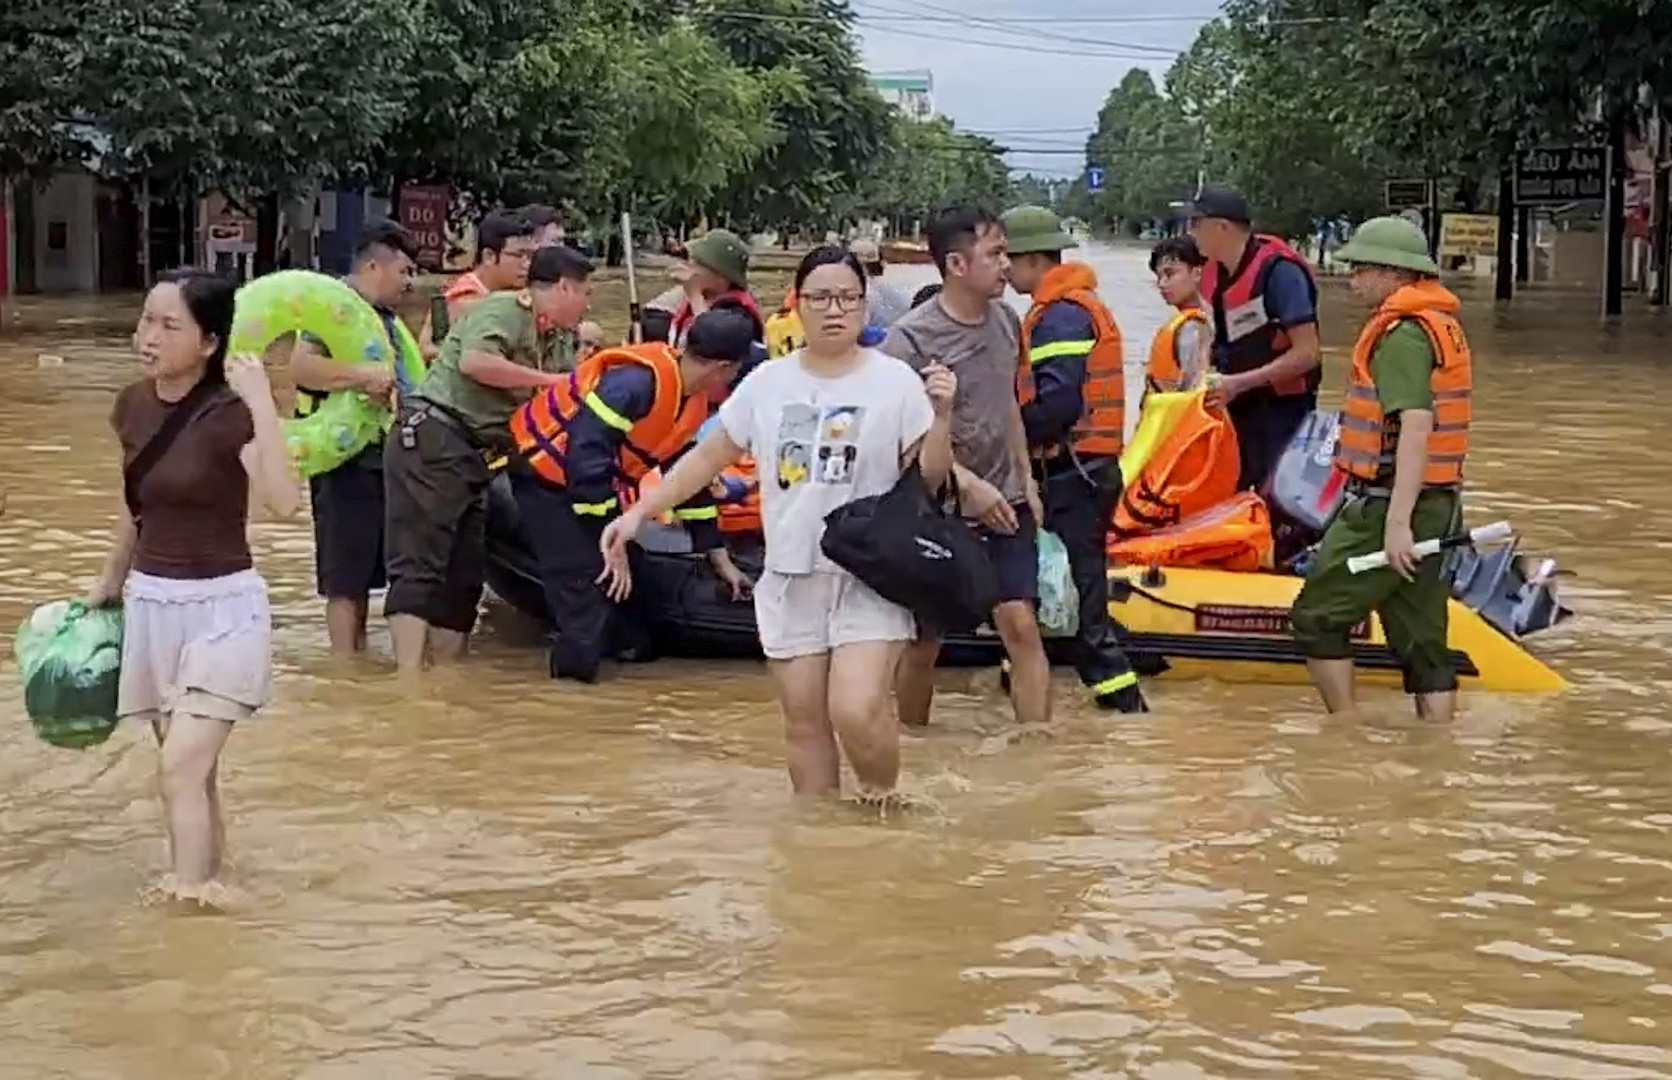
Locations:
{"points": [[520, 878]]}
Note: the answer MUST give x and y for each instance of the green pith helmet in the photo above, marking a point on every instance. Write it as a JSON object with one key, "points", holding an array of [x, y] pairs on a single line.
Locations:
{"points": [[1389, 241], [723, 252], [1030, 229]]}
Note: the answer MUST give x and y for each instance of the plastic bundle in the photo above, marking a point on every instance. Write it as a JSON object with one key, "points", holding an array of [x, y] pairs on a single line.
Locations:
{"points": [[69, 659], [1059, 600]]}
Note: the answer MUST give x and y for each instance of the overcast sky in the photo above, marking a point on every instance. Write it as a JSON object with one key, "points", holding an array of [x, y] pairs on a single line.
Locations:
{"points": [[1032, 73]]}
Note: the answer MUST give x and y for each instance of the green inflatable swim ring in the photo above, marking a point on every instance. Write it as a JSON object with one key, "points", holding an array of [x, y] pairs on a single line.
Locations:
{"points": [[296, 301]]}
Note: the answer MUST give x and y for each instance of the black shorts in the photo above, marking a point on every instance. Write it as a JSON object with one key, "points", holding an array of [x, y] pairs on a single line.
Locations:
{"points": [[1015, 557], [435, 484], [348, 527], [1015, 561]]}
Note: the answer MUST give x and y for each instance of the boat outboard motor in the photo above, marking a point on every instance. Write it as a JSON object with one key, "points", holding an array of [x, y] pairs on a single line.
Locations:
{"points": [[1304, 488], [1501, 585]]}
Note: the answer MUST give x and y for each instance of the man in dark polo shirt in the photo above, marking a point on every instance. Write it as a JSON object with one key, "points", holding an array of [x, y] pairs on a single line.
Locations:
{"points": [[348, 501], [1264, 305]]}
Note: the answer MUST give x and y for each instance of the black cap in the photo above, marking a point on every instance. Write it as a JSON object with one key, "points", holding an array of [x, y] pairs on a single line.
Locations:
{"points": [[550, 265], [1221, 203], [724, 334]]}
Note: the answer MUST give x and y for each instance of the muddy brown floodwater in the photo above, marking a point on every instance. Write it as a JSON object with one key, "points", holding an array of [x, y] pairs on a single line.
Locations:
{"points": [[518, 878]]}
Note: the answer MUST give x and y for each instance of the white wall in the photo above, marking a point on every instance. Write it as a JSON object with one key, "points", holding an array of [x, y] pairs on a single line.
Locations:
{"points": [[69, 200]]}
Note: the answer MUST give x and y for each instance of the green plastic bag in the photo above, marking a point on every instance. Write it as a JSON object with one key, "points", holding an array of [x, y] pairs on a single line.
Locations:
{"points": [[1059, 600], [69, 659]]}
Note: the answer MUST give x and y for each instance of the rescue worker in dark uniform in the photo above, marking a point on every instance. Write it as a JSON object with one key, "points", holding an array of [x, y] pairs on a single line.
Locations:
{"points": [[1072, 384], [1265, 329], [1405, 420], [580, 445]]}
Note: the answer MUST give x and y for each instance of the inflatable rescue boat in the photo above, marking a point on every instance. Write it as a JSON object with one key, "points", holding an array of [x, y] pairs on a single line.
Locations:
{"points": [[1183, 621]]}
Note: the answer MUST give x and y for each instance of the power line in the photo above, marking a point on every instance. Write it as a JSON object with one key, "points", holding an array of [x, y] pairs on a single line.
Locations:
{"points": [[1012, 46], [1026, 31]]}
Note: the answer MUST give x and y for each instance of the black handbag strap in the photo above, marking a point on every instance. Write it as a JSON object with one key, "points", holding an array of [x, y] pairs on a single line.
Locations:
{"points": [[154, 448]]}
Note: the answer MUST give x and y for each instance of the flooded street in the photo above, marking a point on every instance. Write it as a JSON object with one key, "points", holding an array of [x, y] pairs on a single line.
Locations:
{"points": [[519, 878]]}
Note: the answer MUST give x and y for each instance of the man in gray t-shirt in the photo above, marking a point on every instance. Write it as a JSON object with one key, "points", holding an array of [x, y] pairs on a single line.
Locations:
{"points": [[984, 356], [968, 328]]}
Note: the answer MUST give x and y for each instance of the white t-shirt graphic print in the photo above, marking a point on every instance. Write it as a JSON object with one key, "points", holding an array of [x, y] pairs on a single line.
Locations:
{"points": [[819, 443]]}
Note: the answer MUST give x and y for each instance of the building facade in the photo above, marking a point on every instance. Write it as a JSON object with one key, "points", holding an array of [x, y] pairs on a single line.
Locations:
{"points": [[912, 93]]}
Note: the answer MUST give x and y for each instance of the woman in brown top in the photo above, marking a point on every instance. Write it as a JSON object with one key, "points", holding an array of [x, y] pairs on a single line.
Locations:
{"points": [[197, 636]]}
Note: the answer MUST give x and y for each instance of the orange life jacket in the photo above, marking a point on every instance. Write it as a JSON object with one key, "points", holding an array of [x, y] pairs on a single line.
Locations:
{"points": [[1101, 429], [1194, 467], [540, 429], [1232, 535], [737, 497], [1244, 290], [1368, 441], [465, 287], [1163, 371], [738, 494]]}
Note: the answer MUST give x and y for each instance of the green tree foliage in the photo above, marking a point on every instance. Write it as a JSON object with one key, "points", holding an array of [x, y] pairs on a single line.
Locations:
{"points": [[1266, 124], [38, 40], [930, 166], [826, 125], [1148, 153], [1039, 191], [1309, 105], [661, 90], [185, 97]]}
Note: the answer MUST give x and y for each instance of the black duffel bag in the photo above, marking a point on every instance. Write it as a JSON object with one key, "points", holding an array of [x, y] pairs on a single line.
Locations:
{"points": [[906, 547]]}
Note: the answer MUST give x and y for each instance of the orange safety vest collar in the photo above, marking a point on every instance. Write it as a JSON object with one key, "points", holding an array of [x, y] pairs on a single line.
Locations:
{"points": [[1101, 429], [540, 429], [1163, 371], [1368, 440]]}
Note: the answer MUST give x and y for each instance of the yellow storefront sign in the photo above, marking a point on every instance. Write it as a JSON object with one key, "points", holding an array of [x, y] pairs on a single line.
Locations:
{"points": [[1466, 235]]}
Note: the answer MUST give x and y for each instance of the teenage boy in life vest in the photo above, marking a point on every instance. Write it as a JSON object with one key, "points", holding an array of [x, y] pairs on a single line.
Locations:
{"points": [[1404, 436], [1072, 385], [1178, 358], [1264, 304], [579, 444]]}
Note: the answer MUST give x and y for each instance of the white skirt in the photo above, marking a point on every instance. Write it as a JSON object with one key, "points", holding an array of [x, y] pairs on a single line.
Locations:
{"points": [[200, 646]]}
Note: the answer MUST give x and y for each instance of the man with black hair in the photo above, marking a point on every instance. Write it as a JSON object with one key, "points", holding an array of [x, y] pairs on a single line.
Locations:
{"points": [[581, 445], [347, 502], [547, 222], [1264, 303], [505, 241], [1179, 353], [969, 328], [507, 346]]}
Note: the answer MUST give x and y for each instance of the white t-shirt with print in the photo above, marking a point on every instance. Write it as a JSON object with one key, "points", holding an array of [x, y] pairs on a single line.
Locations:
{"points": [[819, 443]]}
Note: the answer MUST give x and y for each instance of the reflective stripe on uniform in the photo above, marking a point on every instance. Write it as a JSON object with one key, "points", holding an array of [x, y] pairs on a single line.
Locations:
{"points": [[597, 509], [1040, 354], [607, 414], [1113, 684], [698, 513]]}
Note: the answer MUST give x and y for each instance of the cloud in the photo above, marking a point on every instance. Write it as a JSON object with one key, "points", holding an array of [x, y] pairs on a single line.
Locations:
{"points": [[1033, 73]]}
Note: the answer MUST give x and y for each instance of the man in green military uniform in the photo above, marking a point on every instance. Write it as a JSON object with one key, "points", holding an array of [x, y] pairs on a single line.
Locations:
{"points": [[505, 347], [1404, 436]]}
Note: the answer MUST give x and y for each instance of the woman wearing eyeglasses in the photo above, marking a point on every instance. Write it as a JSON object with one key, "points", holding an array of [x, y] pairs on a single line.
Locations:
{"points": [[832, 422]]}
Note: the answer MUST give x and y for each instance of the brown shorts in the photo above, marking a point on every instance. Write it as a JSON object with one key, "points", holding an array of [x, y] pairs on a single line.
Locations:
{"points": [[435, 482]]}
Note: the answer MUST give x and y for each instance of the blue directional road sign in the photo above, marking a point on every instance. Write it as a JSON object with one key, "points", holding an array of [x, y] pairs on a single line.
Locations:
{"points": [[1094, 178]]}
